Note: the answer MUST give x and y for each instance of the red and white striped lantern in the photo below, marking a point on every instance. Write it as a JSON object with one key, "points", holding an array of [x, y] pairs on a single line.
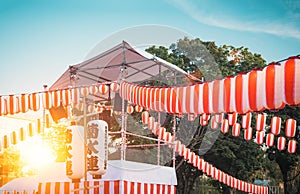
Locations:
{"points": [[260, 122], [225, 126], [138, 108], [275, 125], [103, 89], [292, 146], [236, 129], [93, 89], [151, 121], [191, 117], [241, 93], [229, 94], [130, 109], [56, 101], [34, 101], [213, 123], [75, 95], [290, 128], [292, 81], [256, 90], [246, 120], [162, 132], [281, 141], [232, 118], [114, 86], [273, 75], [66, 96], [145, 117], [203, 121], [84, 91], [270, 139], [24, 103], [260, 137]]}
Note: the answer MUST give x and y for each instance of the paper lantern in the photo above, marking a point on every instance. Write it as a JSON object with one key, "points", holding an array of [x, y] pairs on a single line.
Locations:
{"points": [[292, 146], [217, 96], [292, 81], [13, 138], [206, 98], [273, 86], [103, 89], [84, 91], [177, 146], [225, 126], [213, 123], [270, 139], [275, 125], [97, 145], [248, 133], [34, 101], [156, 128], [130, 109], [24, 103], [65, 96], [232, 118], [93, 90], [256, 90], [260, 137], [281, 141], [236, 130], [75, 95], [75, 161], [290, 128], [145, 117], [260, 122], [56, 101], [246, 120], [114, 86], [151, 121], [203, 121], [229, 94], [241, 93], [138, 108], [11, 104], [162, 132]]}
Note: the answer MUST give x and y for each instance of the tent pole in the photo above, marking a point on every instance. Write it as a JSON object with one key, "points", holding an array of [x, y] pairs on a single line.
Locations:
{"points": [[174, 135], [158, 143]]}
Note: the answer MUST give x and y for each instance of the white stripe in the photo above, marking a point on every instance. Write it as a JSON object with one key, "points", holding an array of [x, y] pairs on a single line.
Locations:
{"points": [[167, 101], [278, 93], [232, 107], [221, 96], [245, 102], [200, 102], [210, 96], [192, 99], [183, 100], [177, 100]]}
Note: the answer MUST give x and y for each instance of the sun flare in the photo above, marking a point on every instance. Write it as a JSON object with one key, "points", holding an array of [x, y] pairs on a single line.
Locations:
{"points": [[36, 154]]}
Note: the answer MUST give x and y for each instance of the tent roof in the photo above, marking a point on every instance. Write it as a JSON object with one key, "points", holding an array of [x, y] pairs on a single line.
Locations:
{"points": [[107, 66]]}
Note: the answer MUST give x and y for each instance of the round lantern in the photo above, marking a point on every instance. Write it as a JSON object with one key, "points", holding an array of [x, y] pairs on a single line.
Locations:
{"points": [[260, 122], [213, 123], [246, 120], [138, 108], [75, 148], [236, 130], [103, 89], [93, 89], [151, 121], [24, 103], [130, 109], [225, 126], [84, 91], [281, 141], [156, 128], [232, 117], [145, 117], [292, 146], [66, 96], [292, 81], [114, 86], [97, 145], [203, 121], [290, 127], [275, 125], [34, 101], [219, 117], [248, 133], [191, 117], [270, 139], [260, 137]]}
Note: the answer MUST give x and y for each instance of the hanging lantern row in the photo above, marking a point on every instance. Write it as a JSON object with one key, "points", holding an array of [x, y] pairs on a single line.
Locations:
{"points": [[260, 125], [198, 162], [21, 135], [270, 88], [22, 103]]}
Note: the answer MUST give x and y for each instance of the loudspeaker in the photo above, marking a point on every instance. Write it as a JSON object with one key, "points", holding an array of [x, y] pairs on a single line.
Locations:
{"points": [[58, 113], [118, 103]]}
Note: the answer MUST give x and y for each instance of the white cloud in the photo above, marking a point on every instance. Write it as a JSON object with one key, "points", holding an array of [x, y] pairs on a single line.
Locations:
{"points": [[225, 21]]}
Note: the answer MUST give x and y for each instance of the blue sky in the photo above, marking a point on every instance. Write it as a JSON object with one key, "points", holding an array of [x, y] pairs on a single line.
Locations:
{"points": [[39, 39]]}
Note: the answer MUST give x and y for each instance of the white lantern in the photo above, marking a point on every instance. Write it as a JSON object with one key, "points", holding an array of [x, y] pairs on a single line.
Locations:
{"points": [[97, 147]]}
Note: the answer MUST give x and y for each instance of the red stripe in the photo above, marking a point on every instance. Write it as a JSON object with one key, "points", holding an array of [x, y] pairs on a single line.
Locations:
{"points": [[139, 188], [216, 95], [47, 188], [131, 187], [145, 188], [125, 187], [106, 187], [206, 98], [227, 94], [97, 188], [57, 187], [252, 90], [76, 186], [239, 93], [66, 187], [116, 187], [270, 86]]}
